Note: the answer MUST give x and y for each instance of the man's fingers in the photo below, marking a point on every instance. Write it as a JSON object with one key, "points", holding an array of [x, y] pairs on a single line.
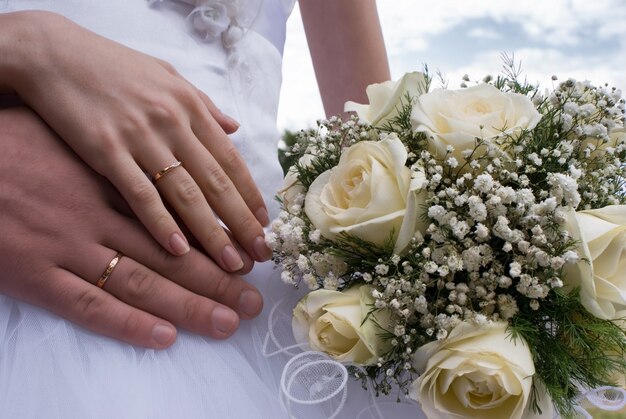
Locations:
{"points": [[85, 304], [195, 271], [141, 287]]}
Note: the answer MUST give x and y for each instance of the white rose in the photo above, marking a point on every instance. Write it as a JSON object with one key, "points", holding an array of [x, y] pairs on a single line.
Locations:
{"points": [[476, 372], [332, 322], [458, 117], [617, 136], [601, 272], [385, 98], [292, 188], [211, 20], [369, 194]]}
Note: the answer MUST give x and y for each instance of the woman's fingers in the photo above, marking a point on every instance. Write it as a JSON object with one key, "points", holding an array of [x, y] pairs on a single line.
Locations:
{"points": [[223, 197], [179, 188], [227, 123], [226, 154], [145, 201], [93, 308]]}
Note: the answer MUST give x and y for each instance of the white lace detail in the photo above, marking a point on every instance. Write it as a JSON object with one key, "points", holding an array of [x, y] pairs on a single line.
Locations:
{"points": [[225, 19], [312, 378]]}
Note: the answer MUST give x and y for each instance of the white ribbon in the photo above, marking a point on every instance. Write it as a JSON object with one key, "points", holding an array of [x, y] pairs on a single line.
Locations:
{"points": [[313, 379], [604, 398]]}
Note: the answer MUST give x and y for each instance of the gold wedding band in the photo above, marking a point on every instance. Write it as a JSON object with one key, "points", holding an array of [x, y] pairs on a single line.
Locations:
{"points": [[163, 172], [109, 270]]}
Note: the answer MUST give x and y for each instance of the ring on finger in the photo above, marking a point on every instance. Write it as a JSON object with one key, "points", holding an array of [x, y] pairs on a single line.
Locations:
{"points": [[164, 171], [109, 270]]}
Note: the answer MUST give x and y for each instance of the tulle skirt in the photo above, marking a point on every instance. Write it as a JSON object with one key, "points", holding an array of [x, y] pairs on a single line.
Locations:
{"points": [[51, 368]]}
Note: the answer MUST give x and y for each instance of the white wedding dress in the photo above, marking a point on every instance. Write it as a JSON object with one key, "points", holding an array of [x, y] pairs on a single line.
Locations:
{"points": [[51, 368]]}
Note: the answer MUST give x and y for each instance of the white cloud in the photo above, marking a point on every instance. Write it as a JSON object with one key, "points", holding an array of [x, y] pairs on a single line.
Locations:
{"points": [[538, 66], [483, 33], [557, 22], [585, 39]]}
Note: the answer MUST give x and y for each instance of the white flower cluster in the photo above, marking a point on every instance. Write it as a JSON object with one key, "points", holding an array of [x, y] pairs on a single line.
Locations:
{"points": [[495, 239], [592, 120], [488, 210], [297, 262], [299, 248]]}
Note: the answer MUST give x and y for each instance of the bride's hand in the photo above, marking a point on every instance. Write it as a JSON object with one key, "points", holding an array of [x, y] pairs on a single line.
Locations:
{"points": [[61, 224], [128, 114]]}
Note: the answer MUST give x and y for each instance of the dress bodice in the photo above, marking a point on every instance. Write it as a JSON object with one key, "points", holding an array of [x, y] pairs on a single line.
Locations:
{"points": [[230, 49]]}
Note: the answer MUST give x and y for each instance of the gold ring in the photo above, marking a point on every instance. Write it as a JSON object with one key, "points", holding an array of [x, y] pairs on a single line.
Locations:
{"points": [[163, 172], [109, 270]]}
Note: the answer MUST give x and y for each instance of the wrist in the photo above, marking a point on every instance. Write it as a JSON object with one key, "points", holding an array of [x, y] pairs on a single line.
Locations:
{"points": [[23, 51]]}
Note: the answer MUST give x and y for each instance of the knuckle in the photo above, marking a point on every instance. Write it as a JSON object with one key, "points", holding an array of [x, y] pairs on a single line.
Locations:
{"points": [[163, 222], [132, 325], [89, 305], [218, 181], [110, 145], [109, 142], [139, 284], [143, 193], [217, 235], [168, 265], [188, 193], [250, 224], [131, 125], [220, 287], [167, 66], [232, 159], [191, 309], [186, 94], [164, 112]]}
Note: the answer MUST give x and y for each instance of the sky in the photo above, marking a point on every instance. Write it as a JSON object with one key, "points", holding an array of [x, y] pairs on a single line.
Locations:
{"points": [[583, 39]]}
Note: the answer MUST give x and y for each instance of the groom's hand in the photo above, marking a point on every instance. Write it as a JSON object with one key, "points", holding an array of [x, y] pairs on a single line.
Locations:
{"points": [[62, 226]]}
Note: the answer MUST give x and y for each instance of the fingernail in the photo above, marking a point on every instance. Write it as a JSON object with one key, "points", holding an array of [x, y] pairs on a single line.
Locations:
{"points": [[231, 258], [261, 250], [250, 303], [163, 334], [178, 244], [224, 320], [262, 216], [232, 121]]}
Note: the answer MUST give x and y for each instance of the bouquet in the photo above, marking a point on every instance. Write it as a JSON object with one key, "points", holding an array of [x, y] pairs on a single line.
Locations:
{"points": [[467, 247]]}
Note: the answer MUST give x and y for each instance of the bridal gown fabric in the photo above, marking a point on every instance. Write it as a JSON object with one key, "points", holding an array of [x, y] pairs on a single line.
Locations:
{"points": [[51, 368]]}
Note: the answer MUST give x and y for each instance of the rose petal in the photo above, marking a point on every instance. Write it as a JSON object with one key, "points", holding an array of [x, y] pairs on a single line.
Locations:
{"points": [[385, 98]]}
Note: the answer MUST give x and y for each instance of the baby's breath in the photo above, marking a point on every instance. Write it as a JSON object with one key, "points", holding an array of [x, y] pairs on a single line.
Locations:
{"points": [[494, 246]]}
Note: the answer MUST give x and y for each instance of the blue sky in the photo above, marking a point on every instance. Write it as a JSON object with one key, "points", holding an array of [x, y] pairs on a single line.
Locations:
{"points": [[584, 39]]}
